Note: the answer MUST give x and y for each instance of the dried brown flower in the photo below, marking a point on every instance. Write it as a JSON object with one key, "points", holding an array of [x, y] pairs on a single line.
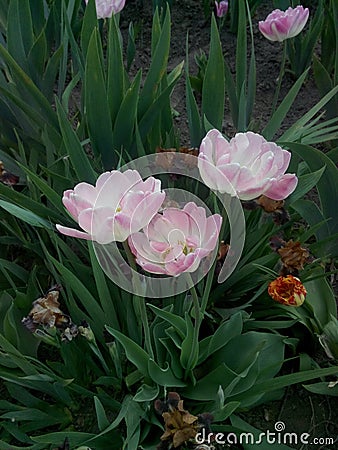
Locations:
{"points": [[193, 151], [165, 157], [180, 425], [222, 251], [274, 207], [6, 177], [269, 205], [293, 256], [46, 312]]}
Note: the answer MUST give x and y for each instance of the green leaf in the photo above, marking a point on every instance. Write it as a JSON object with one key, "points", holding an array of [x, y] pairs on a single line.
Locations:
{"points": [[224, 333], [194, 119], [146, 393], [89, 23], [134, 352], [102, 420], [98, 119], [19, 31], [320, 298], [86, 298], [157, 68], [79, 159], [75, 438], [116, 73], [305, 184], [29, 92], [163, 377], [241, 50], [51, 195], [23, 201], [226, 411], [106, 297], [293, 378], [279, 115], [147, 121], [189, 349], [176, 321], [51, 71], [125, 119], [25, 215], [213, 90], [294, 131], [37, 57], [310, 212], [322, 388], [327, 185]]}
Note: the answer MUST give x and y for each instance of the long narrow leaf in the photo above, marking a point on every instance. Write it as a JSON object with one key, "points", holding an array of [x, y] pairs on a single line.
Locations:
{"points": [[98, 119], [276, 120], [79, 159], [213, 90], [157, 68]]}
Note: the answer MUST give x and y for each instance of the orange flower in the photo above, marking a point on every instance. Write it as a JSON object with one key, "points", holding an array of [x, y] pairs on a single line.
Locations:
{"points": [[288, 291]]}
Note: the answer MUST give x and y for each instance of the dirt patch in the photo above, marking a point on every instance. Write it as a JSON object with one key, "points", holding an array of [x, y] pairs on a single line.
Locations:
{"points": [[188, 19]]}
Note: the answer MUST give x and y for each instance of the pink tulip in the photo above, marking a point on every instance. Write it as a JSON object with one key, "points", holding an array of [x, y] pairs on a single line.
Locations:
{"points": [[281, 25], [247, 166], [106, 8], [118, 205], [221, 8], [176, 241]]}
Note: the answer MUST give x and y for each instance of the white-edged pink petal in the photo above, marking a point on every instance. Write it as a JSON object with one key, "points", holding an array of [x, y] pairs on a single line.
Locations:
{"points": [[282, 187]]}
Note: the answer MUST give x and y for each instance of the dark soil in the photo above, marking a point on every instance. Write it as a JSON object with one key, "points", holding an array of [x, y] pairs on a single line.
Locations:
{"points": [[188, 18], [298, 409]]}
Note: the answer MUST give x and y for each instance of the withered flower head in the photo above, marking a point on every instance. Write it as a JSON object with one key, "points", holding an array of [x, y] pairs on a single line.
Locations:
{"points": [[46, 312], [165, 157], [167, 405], [180, 425], [6, 177], [222, 251], [269, 205], [288, 291], [193, 151], [274, 207], [293, 256]]}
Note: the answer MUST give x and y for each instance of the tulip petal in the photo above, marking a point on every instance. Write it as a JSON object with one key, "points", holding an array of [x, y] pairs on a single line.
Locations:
{"points": [[73, 232], [282, 187]]}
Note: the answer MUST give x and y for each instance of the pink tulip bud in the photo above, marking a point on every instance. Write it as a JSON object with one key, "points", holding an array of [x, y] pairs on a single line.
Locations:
{"points": [[176, 241], [281, 25], [248, 166], [221, 8], [106, 8], [117, 206]]}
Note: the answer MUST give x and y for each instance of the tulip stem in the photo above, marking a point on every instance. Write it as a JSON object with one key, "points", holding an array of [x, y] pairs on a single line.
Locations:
{"points": [[207, 287], [144, 318], [140, 300], [193, 357], [279, 79], [211, 272]]}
